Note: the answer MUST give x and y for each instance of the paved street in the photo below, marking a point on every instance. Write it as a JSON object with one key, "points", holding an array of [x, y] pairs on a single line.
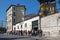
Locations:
{"points": [[15, 37]]}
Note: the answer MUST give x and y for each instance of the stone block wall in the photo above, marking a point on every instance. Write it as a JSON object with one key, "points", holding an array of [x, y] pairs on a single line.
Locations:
{"points": [[51, 25]]}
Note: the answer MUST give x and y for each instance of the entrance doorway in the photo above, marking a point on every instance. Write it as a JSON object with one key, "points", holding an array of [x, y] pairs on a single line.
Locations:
{"points": [[35, 27]]}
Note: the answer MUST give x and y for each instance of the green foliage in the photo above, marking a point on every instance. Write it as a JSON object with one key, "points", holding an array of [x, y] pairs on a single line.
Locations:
{"points": [[45, 12]]}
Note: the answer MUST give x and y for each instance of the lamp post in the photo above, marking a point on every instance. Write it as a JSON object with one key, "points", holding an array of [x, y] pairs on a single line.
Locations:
{"points": [[40, 19], [40, 30]]}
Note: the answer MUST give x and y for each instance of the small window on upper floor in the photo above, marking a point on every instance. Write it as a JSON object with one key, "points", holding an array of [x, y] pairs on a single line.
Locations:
{"points": [[14, 20], [14, 14], [25, 24], [49, 8], [21, 26], [18, 27], [14, 8]]}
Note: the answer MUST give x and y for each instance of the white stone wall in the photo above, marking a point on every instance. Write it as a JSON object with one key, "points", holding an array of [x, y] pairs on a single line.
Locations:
{"points": [[28, 22], [51, 24]]}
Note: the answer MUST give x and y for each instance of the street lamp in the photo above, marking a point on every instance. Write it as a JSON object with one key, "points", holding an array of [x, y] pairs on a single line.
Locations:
{"points": [[40, 19], [40, 31]]}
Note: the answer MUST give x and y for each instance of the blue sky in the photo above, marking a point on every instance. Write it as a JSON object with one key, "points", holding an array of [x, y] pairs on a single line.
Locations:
{"points": [[32, 6]]}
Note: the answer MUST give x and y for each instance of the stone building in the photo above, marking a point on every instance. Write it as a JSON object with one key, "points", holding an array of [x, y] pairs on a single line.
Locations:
{"points": [[47, 7], [15, 14]]}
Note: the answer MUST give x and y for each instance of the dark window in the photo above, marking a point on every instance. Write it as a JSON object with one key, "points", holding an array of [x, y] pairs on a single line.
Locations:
{"points": [[14, 14], [17, 27], [14, 20], [49, 9], [35, 25], [25, 24], [14, 28], [14, 8], [21, 26]]}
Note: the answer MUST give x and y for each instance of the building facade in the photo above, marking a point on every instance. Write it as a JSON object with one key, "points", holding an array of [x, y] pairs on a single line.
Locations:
{"points": [[15, 14], [47, 7], [28, 25], [50, 25]]}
